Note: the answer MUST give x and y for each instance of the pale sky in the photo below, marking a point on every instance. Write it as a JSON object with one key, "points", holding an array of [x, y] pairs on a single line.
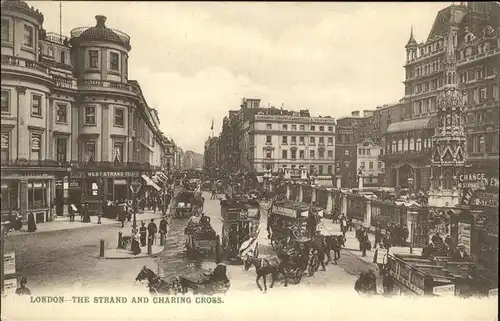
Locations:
{"points": [[195, 61]]}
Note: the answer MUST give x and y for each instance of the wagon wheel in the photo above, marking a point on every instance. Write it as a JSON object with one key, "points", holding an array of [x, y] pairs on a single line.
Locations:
{"points": [[297, 275]]}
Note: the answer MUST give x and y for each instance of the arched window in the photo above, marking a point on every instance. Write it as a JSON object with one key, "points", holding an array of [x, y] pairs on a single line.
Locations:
{"points": [[63, 57], [412, 144], [400, 145], [394, 147], [425, 143], [405, 144], [418, 146]]}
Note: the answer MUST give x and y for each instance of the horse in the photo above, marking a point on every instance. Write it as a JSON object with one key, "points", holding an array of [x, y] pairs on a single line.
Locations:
{"points": [[157, 285], [264, 267]]}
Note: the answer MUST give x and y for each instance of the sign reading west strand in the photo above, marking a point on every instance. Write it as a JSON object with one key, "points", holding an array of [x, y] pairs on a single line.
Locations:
{"points": [[104, 174]]}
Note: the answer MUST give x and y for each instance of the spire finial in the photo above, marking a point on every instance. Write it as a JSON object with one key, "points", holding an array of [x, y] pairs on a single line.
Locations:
{"points": [[412, 39]]}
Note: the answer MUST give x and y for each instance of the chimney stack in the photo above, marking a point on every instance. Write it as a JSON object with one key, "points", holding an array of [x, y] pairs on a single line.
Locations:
{"points": [[101, 21]]}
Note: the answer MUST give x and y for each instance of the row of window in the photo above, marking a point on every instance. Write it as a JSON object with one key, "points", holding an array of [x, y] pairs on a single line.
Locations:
{"points": [[313, 169], [62, 111], [28, 33], [367, 151], [481, 143], [293, 140], [371, 165], [423, 70], [37, 195], [301, 127], [302, 153], [35, 149], [114, 60], [403, 145]]}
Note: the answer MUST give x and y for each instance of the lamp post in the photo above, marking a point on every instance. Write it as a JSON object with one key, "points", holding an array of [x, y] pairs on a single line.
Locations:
{"points": [[135, 186], [100, 182], [413, 217]]}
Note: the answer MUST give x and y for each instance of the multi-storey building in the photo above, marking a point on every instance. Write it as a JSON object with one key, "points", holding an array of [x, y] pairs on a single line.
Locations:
{"points": [[178, 158], [292, 140], [370, 166], [272, 140], [347, 137], [473, 30], [168, 159], [73, 124], [211, 155]]}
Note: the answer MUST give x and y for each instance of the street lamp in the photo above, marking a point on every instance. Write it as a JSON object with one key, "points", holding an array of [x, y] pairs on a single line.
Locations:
{"points": [[100, 182], [135, 187]]}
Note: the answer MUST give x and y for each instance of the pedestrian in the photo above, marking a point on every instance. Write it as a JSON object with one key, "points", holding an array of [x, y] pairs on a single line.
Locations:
{"points": [[343, 224], [82, 210], [31, 222], [460, 255], [363, 242], [378, 237], [163, 227], [404, 235], [449, 244], [152, 229], [143, 233], [136, 249], [71, 212], [349, 223], [23, 289], [378, 258], [387, 281]]}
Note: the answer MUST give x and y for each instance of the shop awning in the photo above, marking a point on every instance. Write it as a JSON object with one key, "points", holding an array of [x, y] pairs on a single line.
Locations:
{"points": [[150, 182]]}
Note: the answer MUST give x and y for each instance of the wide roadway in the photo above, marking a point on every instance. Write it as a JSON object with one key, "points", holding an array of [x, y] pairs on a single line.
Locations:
{"points": [[68, 259]]}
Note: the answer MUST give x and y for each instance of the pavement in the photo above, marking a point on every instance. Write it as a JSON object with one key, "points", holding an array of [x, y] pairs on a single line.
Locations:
{"points": [[64, 223]]}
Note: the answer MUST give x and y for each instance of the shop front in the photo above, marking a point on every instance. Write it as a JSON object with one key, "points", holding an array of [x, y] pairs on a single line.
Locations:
{"points": [[26, 191], [87, 184]]}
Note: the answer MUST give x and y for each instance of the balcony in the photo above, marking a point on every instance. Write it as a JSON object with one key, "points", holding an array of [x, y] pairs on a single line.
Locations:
{"points": [[22, 65], [108, 86], [23, 162], [129, 166], [477, 57], [64, 83]]}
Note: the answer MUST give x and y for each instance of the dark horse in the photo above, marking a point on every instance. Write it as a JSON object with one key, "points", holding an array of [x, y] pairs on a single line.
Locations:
{"points": [[158, 285], [216, 282], [334, 243], [264, 267]]}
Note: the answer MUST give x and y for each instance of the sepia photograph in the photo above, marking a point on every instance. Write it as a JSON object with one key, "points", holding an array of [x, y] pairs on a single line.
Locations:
{"points": [[249, 160]]}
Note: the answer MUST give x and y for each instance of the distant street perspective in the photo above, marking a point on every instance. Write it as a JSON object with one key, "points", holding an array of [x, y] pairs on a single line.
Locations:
{"points": [[389, 200]]}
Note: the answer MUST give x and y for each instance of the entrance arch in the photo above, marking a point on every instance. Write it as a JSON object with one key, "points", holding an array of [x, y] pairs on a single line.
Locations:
{"points": [[406, 176]]}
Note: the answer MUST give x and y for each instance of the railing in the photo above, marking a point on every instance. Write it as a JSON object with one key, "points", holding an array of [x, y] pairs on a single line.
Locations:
{"points": [[78, 31], [89, 83], [34, 163], [21, 62], [490, 52], [64, 82]]}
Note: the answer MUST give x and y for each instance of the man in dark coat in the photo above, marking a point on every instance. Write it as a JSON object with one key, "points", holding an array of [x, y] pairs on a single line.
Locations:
{"points": [[363, 242], [143, 233], [311, 223], [378, 237], [163, 225], [152, 229], [404, 235], [31, 222], [23, 289]]}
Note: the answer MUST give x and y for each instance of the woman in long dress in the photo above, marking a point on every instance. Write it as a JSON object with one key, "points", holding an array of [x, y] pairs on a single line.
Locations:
{"points": [[31, 222], [136, 248]]}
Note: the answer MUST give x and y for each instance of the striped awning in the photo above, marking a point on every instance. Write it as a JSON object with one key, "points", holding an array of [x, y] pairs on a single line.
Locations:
{"points": [[150, 182]]}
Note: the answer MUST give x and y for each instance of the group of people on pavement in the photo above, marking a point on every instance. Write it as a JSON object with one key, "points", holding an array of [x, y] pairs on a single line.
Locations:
{"points": [[147, 235], [445, 248], [15, 222]]}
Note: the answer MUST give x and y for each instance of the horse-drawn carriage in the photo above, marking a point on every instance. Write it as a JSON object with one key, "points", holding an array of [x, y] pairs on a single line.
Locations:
{"points": [[240, 224], [186, 201], [287, 220], [190, 280], [201, 238]]}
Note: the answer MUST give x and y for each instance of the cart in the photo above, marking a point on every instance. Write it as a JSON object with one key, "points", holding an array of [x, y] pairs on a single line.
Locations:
{"points": [[240, 222], [185, 202]]}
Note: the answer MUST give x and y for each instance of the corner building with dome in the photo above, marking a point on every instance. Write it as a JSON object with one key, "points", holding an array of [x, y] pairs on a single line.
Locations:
{"points": [[73, 125]]}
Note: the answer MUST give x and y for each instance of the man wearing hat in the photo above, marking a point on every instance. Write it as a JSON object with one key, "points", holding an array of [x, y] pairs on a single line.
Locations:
{"points": [[460, 254], [23, 289]]}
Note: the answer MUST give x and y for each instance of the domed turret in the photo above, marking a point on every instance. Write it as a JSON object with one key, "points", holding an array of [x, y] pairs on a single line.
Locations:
{"points": [[22, 7], [101, 33]]}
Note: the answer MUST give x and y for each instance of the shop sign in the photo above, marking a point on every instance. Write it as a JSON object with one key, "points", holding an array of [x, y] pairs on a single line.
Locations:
{"points": [[464, 231], [478, 181], [74, 184], [113, 174], [487, 199], [444, 290], [10, 286], [9, 263]]}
